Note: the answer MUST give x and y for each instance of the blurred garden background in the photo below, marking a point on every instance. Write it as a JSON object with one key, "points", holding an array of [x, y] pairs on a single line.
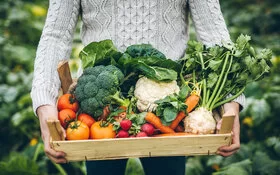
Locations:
{"points": [[21, 148]]}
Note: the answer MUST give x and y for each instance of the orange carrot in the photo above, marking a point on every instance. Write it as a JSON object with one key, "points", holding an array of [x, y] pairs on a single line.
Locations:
{"points": [[155, 121], [191, 102], [174, 134], [177, 120]]}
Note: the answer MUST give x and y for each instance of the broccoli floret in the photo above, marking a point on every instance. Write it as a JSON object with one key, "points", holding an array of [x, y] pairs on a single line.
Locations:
{"points": [[114, 70], [98, 87], [107, 80]]}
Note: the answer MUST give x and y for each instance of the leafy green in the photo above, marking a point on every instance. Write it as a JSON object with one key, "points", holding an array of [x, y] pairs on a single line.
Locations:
{"points": [[171, 105], [19, 164], [150, 62], [144, 50], [224, 70], [240, 168], [137, 59], [96, 53], [264, 165]]}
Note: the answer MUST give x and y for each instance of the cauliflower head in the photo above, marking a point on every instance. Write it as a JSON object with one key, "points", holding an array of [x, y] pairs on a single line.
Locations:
{"points": [[148, 91]]}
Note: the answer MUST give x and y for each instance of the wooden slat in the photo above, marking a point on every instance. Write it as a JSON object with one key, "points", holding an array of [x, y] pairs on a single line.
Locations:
{"points": [[55, 130], [227, 124], [64, 76], [142, 147]]}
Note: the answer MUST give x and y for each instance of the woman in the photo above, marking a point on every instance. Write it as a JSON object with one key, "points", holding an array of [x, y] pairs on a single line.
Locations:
{"points": [[162, 23]]}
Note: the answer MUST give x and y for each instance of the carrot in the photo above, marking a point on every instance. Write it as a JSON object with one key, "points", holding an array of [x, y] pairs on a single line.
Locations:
{"points": [[155, 121], [173, 134], [191, 102], [177, 120]]}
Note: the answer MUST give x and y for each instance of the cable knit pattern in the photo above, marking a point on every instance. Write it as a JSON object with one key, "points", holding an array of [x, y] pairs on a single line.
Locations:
{"points": [[54, 45], [209, 22], [162, 23]]}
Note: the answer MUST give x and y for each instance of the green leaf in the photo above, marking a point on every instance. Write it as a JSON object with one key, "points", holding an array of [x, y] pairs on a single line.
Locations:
{"points": [[241, 168], [215, 64], [95, 53], [194, 166], [184, 92], [156, 73], [169, 114], [212, 79], [275, 143], [263, 164], [242, 41], [19, 164], [144, 50]]}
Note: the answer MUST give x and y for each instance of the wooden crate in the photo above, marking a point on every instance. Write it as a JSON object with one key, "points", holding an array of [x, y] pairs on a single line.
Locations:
{"points": [[119, 148]]}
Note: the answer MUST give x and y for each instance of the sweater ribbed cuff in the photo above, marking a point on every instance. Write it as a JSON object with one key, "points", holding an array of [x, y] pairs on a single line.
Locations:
{"points": [[41, 96], [241, 100]]}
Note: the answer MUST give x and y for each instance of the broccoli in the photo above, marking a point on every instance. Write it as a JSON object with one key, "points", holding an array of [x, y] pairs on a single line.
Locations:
{"points": [[98, 87]]}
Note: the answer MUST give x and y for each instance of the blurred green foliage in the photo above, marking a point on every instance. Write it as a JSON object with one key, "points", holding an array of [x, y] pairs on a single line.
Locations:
{"points": [[21, 24]]}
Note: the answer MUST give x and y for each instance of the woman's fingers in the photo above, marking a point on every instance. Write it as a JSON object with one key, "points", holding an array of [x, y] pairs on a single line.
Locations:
{"points": [[228, 150], [55, 156]]}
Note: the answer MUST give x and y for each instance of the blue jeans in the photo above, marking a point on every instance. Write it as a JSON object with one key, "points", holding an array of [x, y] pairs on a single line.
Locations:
{"points": [[151, 166]]}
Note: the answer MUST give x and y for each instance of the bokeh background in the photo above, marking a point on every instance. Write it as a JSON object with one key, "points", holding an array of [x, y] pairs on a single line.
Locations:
{"points": [[21, 148]]}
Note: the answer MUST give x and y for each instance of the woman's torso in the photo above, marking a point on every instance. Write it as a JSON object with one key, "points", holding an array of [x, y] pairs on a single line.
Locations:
{"points": [[162, 23]]}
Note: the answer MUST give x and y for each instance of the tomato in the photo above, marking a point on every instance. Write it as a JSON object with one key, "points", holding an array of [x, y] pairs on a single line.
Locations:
{"points": [[99, 130], [65, 116], [67, 101], [87, 119], [77, 130]]}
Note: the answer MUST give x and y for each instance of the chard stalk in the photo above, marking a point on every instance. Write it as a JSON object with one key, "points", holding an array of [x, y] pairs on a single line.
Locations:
{"points": [[203, 81], [225, 94], [218, 82], [229, 99], [222, 85]]}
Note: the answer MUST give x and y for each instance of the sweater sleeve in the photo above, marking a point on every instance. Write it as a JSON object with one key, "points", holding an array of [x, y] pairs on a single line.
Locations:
{"points": [[210, 27], [54, 46], [208, 21]]}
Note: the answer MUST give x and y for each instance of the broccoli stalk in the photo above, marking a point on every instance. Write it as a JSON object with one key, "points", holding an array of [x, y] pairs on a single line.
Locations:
{"points": [[116, 99]]}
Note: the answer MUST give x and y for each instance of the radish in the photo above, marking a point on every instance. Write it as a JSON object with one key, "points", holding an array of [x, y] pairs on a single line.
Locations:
{"points": [[141, 134], [126, 124], [148, 129], [122, 134]]}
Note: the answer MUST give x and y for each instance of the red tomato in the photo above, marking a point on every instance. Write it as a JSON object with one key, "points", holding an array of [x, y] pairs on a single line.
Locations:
{"points": [[77, 130], [87, 119], [67, 101], [65, 116]]}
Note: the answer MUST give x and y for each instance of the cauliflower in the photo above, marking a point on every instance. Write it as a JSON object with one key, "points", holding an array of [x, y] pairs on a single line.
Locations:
{"points": [[148, 91], [200, 121]]}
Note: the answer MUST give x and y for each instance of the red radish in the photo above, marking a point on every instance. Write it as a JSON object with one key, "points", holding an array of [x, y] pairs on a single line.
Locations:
{"points": [[141, 134], [148, 129], [122, 134], [126, 124]]}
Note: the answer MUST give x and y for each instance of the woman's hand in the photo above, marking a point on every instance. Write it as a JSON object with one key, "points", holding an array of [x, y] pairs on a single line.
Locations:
{"points": [[231, 108], [46, 112]]}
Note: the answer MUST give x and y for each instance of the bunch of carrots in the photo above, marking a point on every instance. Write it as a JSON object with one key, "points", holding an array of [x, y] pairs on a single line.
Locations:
{"points": [[191, 102]]}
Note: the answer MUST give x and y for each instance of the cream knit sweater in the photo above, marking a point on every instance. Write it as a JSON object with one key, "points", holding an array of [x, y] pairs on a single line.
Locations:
{"points": [[162, 23]]}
